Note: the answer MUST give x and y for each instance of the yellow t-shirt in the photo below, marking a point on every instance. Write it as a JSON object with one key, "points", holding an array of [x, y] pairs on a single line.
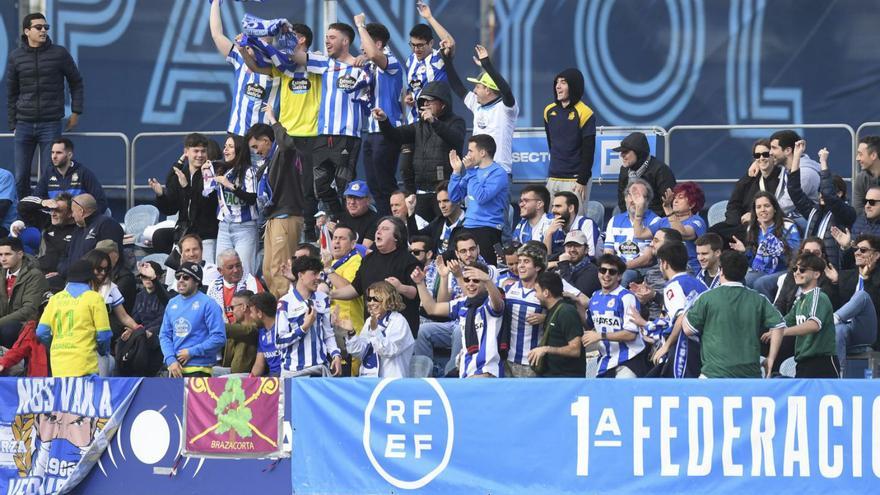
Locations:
{"points": [[75, 323], [300, 101], [352, 310]]}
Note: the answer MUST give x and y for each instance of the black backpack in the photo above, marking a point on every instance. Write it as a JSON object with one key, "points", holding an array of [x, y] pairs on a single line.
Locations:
{"points": [[139, 355]]}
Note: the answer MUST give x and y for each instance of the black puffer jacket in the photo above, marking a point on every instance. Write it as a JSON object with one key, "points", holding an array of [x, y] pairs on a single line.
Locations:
{"points": [[35, 83], [431, 142]]}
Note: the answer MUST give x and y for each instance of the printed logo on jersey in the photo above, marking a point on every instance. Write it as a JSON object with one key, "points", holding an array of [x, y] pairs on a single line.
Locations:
{"points": [[628, 248], [181, 327], [255, 91], [346, 83], [299, 85]]}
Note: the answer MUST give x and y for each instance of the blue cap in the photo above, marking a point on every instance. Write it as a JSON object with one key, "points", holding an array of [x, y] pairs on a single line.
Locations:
{"points": [[358, 189]]}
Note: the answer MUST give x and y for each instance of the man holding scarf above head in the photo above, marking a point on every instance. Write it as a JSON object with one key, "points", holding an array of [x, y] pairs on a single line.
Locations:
{"points": [[251, 89]]}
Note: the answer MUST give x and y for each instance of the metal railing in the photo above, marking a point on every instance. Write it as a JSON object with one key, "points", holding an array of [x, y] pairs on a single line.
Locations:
{"points": [[655, 129], [727, 127], [132, 164], [127, 158]]}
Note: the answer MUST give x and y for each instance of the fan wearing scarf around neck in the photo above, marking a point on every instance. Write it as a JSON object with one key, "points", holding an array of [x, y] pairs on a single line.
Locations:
{"points": [[385, 344], [480, 312]]}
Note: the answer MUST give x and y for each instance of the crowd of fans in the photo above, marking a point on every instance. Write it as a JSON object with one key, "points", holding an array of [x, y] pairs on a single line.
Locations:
{"points": [[440, 269]]}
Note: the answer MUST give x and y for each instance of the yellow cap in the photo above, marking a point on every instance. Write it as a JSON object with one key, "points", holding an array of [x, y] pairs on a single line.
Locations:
{"points": [[485, 80]]}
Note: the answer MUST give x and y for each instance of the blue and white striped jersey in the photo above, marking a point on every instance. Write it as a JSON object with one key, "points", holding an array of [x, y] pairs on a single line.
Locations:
{"points": [[585, 225], [300, 348], [609, 313], [230, 206], [385, 87], [681, 290], [250, 92], [524, 232], [620, 238], [418, 74], [488, 327], [343, 98], [519, 303]]}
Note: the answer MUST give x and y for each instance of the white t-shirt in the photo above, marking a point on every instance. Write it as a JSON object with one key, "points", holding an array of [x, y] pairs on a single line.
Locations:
{"points": [[497, 120], [385, 351]]}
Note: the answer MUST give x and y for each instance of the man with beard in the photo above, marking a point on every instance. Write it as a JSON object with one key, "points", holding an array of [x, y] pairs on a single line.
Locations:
{"points": [[637, 163], [68, 175], [575, 267], [621, 236], [565, 221]]}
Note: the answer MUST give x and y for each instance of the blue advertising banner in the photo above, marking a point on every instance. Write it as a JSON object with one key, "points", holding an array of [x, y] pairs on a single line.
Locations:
{"points": [[53, 430], [531, 156], [580, 436], [146, 456]]}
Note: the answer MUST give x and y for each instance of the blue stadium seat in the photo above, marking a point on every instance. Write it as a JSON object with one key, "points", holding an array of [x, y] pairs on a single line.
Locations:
{"points": [[420, 367], [139, 218], [716, 212], [157, 257], [596, 213]]}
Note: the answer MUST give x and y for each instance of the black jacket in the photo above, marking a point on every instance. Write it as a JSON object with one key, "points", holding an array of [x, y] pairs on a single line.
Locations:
{"points": [[431, 142], [56, 238], [197, 214], [835, 212], [284, 177], [35, 83], [847, 281], [658, 175], [585, 278], [744, 192], [98, 227]]}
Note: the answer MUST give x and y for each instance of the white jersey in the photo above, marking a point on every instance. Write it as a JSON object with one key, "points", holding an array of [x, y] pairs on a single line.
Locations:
{"points": [[610, 313], [497, 120], [485, 358], [386, 351], [301, 348], [584, 224]]}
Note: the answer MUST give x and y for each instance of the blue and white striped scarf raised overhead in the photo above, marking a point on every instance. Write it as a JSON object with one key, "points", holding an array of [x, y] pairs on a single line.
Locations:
{"points": [[267, 55], [280, 29]]}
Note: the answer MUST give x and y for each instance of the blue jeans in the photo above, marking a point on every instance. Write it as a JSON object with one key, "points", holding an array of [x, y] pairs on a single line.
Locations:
{"points": [[380, 165], [244, 238], [858, 325], [27, 136], [763, 283]]}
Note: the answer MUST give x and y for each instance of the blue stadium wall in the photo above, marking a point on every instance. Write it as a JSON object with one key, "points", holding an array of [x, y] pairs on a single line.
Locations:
{"points": [[151, 66]]}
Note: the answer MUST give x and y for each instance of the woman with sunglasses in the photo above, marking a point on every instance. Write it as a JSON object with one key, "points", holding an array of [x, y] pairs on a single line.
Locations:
{"points": [[385, 344], [102, 284], [769, 242], [235, 183], [762, 175]]}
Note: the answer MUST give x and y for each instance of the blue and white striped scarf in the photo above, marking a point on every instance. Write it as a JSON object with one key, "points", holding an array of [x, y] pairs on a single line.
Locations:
{"points": [[281, 29]]}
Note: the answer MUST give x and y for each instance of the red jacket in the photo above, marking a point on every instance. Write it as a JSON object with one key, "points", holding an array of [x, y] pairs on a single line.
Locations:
{"points": [[29, 347]]}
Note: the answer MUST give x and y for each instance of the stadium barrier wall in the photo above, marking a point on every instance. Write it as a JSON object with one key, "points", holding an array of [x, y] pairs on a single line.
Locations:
{"points": [[518, 436]]}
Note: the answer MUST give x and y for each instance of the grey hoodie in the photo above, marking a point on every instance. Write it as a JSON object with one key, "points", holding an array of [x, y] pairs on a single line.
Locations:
{"points": [[809, 184]]}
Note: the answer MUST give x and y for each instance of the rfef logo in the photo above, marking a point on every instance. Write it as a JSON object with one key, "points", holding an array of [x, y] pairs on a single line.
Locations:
{"points": [[408, 441]]}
